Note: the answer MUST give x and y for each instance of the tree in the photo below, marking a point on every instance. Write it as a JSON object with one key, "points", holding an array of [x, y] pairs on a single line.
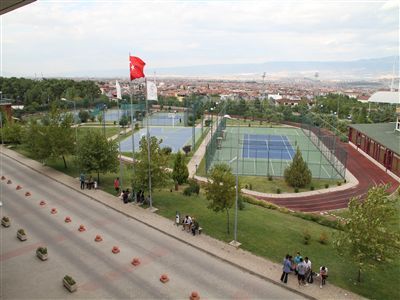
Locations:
{"points": [[297, 174], [123, 121], [83, 115], [180, 172], [97, 154], [53, 138], [220, 189], [158, 165], [187, 149], [370, 235], [60, 134]]}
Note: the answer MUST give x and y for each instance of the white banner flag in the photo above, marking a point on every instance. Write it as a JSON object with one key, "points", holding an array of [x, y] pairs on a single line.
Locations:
{"points": [[151, 91], [119, 96]]}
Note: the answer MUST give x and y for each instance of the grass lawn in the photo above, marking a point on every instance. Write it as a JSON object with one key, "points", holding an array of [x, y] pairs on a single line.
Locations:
{"points": [[262, 184], [272, 234], [110, 131]]}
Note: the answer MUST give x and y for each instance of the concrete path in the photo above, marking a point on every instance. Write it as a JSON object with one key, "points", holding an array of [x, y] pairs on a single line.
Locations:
{"points": [[242, 259]]}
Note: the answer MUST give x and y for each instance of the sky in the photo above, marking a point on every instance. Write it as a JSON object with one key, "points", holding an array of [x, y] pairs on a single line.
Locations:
{"points": [[56, 38]]}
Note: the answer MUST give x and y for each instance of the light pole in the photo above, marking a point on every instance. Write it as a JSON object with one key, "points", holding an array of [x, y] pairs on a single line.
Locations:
{"points": [[235, 243], [75, 122]]}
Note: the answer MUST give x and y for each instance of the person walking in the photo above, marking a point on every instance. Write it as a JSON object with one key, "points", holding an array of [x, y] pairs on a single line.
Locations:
{"points": [[308, 275], [287, 268], [323, 273], [116, 184], [301, 272], [82, 180]]}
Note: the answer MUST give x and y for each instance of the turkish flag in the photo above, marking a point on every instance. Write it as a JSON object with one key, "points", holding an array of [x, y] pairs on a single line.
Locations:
{"points": [[136, 66]]}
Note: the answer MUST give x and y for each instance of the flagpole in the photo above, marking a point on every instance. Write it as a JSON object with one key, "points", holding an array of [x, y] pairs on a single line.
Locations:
{"points": [[119, 145], [133, 143], [148, 145]]}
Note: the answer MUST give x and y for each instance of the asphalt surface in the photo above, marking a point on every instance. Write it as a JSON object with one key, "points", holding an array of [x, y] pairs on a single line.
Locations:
{"points": [[99, 272]]}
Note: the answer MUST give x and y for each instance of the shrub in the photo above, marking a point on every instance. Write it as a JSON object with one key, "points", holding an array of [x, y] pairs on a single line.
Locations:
{"points": [[42, 250], [246, 186], [249, 124], [278, 191], [241, 202], [306, 237], [6, 219], [115, 122], [69, 280], [269, 178], [323, 238], [194, 186], [187, 149], [136, 126], [296, 190], [166, 150], [187, 191], [312, 188], [339, 183], [21, 231], [326, 185]]}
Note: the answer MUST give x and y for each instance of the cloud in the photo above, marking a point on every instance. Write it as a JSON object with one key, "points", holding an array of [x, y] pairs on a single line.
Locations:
{"points": [[56, 37]]}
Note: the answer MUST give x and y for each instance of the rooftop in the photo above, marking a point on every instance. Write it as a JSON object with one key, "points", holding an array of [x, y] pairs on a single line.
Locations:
{"points": [[383, 133]]}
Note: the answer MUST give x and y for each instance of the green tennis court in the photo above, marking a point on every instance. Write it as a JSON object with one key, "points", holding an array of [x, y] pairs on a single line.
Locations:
{"points": [[268, 151]]}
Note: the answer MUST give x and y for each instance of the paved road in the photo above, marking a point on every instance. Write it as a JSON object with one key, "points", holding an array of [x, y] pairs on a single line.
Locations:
{"points": [[100, 273]]}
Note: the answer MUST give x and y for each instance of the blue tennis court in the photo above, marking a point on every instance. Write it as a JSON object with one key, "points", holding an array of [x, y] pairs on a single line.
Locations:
{"points": [[267, 146], [175, 138]]}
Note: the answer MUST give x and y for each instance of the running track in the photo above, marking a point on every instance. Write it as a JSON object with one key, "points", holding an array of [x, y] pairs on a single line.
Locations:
{"points": [[367, 173]]}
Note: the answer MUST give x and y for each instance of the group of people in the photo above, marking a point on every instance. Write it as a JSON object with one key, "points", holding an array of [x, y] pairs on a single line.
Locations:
{"points": [[303, 269], [90, 183], [190, 224]]}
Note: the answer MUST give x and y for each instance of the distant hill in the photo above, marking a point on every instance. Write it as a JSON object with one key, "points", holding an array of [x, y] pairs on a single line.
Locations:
{"points": [[363, 68]]}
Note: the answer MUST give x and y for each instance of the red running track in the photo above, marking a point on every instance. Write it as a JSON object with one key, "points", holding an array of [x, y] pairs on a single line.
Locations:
{"points": [[367, 173]]}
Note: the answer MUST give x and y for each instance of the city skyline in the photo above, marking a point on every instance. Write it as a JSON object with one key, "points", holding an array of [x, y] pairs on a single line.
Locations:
{"points": [[86, 38]]}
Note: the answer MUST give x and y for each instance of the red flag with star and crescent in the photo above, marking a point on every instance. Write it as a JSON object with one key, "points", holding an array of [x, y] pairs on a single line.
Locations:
{"points": [[136, 66]]}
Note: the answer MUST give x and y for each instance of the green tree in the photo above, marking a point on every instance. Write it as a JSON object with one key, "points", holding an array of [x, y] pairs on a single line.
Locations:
{"points": [[371, 233], [123, 121], [220, 189], [83, 115], [158, 165], [97, 154], [60, 134], [53, 138], [297, 174], [180, 172]]}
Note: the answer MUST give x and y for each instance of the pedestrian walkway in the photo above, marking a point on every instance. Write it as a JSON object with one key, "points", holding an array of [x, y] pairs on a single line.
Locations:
{"points": [[240, 258]]}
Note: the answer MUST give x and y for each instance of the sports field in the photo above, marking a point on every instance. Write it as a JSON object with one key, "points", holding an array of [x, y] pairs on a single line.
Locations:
{"points": [[268, 151]]}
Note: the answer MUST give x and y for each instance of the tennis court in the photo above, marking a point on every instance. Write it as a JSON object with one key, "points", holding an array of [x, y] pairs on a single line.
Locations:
{"points": [[175, 138], [267, 146], [156, 119], [268, 151]]}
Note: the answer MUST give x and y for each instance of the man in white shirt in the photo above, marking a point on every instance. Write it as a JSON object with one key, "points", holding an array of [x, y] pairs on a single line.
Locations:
{"points": [[307, 262]]}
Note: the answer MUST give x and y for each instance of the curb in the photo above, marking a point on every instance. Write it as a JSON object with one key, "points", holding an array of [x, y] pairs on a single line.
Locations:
{"points": [[165, 232]]}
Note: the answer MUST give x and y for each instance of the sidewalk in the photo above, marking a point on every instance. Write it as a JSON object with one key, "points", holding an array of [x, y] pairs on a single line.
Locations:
{"points": [[240, 258]]}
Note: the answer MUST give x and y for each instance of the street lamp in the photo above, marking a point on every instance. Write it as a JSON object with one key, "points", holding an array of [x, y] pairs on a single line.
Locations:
{"points": [[235, 243]]}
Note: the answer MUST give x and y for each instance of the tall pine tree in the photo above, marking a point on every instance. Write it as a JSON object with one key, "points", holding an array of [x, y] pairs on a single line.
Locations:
{"points": [[180, 172], [297, 174]]}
